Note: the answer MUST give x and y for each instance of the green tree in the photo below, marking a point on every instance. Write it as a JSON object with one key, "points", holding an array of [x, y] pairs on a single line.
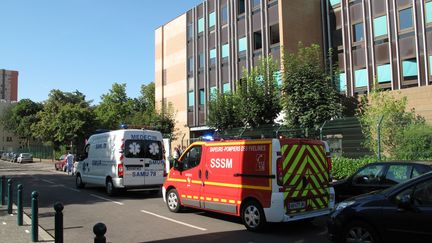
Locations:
{"points": [[224, 111], [255, 102], [146, 101], [115, 108], [395, 119], [414, 143], [310, 97], [20, 117], [65, 118], [259, 94]]}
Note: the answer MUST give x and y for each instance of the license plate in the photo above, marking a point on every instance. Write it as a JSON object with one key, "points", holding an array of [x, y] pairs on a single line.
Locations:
{"points": [[297, 205]]}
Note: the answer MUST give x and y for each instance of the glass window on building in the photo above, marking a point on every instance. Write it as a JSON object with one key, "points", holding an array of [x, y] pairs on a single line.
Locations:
{"points": [[428, 6], [190, 64], [358, 34], [226, 87], [200, 25], [384, 73], [225, 51], [201, 60], [224, 14], [257, 40], [342, 82], [278, 77], [380, 26], [202, 97], [242, 44], [212, 19], [409, 68], [405, 19], [190, 31], [190, 82], [361, 78], [212, 56], [255, 3], [191, 98], [430, 65], [274, 34], [213, 92], [241, 7], [334, 2]]}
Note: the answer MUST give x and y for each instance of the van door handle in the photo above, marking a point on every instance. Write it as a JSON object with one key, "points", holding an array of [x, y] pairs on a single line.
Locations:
{"points": [[199, 174], [206, 174]]}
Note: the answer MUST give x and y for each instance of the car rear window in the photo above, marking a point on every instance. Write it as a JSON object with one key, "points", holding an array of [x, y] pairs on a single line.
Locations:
{"points": [[143, 149]]}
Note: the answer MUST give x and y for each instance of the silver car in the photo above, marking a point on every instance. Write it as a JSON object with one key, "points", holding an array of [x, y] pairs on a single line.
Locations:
{"points": [[25, 157]]}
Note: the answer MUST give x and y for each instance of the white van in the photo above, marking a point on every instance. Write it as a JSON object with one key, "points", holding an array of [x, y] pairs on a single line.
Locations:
{"points": [[123, 159]]}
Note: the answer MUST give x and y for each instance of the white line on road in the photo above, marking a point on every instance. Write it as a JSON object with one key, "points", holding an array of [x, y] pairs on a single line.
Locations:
{"points": [[27, 231], [173, 220], [48, 181], [4, 223], [73, 189], [106, 199]]}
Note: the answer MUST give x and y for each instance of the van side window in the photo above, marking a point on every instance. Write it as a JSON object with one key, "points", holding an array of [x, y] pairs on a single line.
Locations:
{"points": [[191, 158]]}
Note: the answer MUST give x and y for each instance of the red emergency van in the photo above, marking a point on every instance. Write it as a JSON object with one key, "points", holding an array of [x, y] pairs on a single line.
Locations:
{"points": [[266, 180]]}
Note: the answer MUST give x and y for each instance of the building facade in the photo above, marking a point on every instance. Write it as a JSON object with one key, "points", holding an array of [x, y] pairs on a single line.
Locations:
{"points": [[206, 50], [8, 85]]}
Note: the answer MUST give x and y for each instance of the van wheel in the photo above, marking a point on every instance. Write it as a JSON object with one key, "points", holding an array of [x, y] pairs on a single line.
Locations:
{"points": [[253, 216], [109, 187], [78, 182], [173, 201]]}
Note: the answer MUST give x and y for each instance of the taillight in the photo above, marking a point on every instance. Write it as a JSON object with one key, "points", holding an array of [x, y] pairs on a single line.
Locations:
{"points": [[120, 170], [279, 170], [329, 166]]}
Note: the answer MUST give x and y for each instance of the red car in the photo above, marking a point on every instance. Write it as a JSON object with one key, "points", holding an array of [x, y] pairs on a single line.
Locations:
{"points": [[61, 163]]}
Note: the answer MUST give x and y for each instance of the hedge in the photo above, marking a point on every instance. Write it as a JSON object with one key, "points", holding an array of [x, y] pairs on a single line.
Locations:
{"points": [[344, 167]]}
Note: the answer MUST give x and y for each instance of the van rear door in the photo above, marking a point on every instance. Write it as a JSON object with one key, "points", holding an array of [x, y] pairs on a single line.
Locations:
{"points": [[305, 175], [143, 164]]}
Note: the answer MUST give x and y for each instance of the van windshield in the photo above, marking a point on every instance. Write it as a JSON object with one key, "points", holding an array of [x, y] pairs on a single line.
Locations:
{"points": [[143, 149]]}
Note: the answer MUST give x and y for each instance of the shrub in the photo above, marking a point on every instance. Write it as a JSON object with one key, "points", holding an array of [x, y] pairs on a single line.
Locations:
{"points": [[414, 143], [344, 167]]}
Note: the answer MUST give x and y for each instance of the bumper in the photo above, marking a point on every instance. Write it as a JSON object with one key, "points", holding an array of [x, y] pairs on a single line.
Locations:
{"points": [[118, 183]]}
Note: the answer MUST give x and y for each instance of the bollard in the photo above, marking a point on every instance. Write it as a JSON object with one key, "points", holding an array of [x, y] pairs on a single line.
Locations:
{"points": [[34, 216], [20, 205], [10, 197], [58, 222], [3, 190], [99, 230]]}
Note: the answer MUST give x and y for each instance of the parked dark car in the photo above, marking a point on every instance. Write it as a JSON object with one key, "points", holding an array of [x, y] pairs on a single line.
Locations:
{"points": [[61, 163], [378, 176], [402, 213]]}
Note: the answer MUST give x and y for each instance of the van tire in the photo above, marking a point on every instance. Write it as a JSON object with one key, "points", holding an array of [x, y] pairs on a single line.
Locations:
{"points": [[173, 201], [109, 187], [78, 182], [252, 216]]}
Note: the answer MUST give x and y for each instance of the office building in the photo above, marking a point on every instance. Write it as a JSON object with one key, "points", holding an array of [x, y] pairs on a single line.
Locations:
{"points": [[206, 49], [8, 85], [383, 41]]}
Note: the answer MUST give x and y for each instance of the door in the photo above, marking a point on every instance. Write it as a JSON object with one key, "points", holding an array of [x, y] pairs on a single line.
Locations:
{"points": [[134, 156], [412, 223], [188, 176], [367, 179], [154, 165]]}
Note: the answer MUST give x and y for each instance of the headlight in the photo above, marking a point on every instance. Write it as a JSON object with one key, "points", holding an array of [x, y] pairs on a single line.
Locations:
{"points": [[344, 204]]}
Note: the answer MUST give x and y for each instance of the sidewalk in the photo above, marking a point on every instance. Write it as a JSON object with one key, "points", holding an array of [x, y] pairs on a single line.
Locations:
{"points": [[11, 232]]}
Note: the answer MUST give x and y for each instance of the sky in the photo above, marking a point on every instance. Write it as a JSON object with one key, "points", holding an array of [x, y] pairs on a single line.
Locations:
{"points": [[84, 45]]}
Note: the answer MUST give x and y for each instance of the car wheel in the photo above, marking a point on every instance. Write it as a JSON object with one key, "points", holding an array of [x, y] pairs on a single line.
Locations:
{"points": [[173, 201], [253, 216], [109, 188], [360, 232], [78, 182]]}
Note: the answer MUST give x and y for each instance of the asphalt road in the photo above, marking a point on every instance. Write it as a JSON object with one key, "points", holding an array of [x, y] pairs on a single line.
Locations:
{"points": [[137, 216]]}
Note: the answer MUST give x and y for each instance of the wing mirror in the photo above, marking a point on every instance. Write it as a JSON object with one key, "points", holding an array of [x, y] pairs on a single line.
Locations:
{"points": [[405, 202]]}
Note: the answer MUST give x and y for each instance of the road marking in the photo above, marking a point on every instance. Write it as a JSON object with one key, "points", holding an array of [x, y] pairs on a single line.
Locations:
{"points": [[173, 220], [48, 181], [4, 223], [73, 189], [27, 231], [106, 199]]}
